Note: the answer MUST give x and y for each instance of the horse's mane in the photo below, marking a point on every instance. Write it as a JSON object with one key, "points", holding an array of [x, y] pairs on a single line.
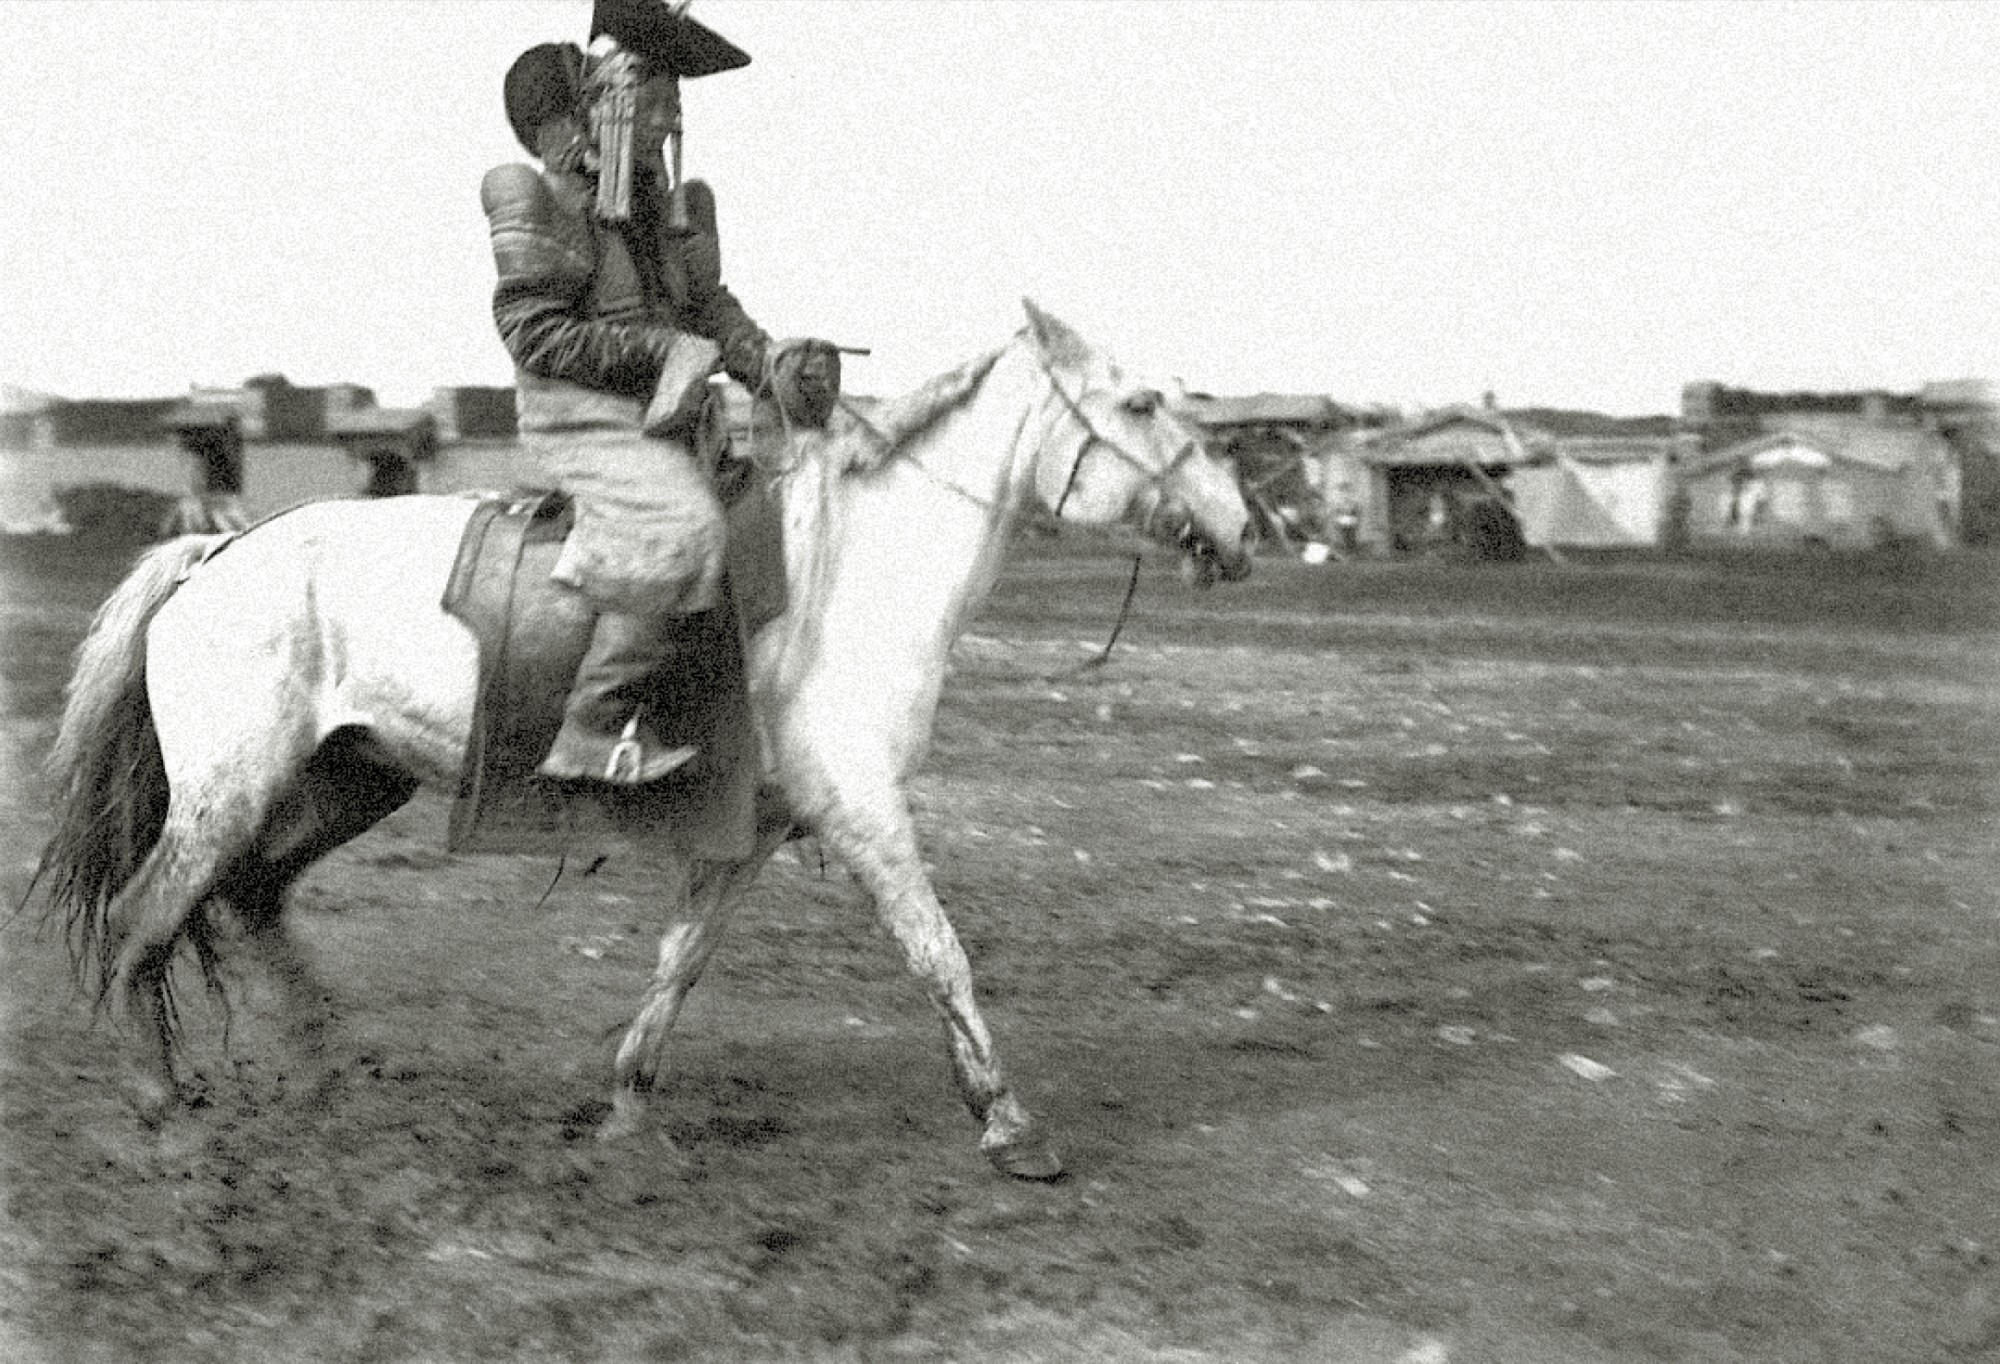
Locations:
{"points": [[867, 434], [818, 474]]}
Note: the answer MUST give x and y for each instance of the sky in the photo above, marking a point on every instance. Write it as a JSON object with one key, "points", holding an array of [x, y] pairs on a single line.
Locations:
{"points": [[1571, 205]]}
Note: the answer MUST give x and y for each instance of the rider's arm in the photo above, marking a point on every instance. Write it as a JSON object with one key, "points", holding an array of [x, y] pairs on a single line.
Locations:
{"points": [[545, 261], [715, 311]]}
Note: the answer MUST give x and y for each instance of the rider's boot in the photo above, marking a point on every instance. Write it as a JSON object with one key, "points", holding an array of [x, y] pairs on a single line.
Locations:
{"points": [[605, 736]]}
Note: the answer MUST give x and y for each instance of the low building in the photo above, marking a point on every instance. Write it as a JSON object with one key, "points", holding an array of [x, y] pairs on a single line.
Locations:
{"points": [[394, 443], [24, 418], [107, 421], [1435, 483], [280, 411], [1966, 412], [211, 436], [1289, 456], [1478, 482], [473, 412], [1826, 481], [247, 402]]}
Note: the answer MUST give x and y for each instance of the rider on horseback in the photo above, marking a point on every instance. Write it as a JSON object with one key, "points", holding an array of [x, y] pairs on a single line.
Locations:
{"points": [[611, 303]]}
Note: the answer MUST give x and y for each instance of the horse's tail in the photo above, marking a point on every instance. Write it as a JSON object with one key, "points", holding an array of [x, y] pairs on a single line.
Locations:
{"points": [[106, 776]]}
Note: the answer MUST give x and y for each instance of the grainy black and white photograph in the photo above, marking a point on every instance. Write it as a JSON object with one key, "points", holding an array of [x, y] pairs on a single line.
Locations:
{"points": [[846, 681]]}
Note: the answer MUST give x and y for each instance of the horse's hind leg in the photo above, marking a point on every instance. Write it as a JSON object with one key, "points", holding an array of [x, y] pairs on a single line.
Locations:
{"points": [[227, 760], [150, 919], [700, 906], [341, 793], [694, 924]]}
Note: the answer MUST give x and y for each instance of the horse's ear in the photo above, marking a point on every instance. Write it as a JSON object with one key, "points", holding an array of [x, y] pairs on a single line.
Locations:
{"points": [[1059, 344]]}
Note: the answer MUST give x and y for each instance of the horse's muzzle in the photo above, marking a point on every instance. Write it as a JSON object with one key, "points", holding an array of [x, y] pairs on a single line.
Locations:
{"points": [[1213, 548], [1205, 563]]}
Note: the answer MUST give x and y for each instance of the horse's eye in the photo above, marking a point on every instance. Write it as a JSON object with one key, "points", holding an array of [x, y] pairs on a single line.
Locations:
{"points": [[1143, 403]]}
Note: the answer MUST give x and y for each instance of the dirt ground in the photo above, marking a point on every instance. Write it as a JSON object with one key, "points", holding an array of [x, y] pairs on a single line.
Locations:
{"points": [[1415, 963]]}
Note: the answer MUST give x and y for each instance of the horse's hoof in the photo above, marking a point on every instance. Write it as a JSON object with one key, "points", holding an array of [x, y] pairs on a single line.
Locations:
{"points": [[153, 1101], [1032, 1158], [618, 1127], [627, 1119], [630, 1156]]}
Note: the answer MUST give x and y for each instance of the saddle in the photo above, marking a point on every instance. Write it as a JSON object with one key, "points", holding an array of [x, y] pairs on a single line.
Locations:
{"points": [[532, 634]]}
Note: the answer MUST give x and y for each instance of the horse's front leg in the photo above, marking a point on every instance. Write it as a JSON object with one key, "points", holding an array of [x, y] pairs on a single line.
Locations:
{"points": [[877, 841]]}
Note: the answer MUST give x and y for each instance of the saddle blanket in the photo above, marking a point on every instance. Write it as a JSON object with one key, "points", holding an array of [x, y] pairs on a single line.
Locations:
{"points": [[532, 634]]}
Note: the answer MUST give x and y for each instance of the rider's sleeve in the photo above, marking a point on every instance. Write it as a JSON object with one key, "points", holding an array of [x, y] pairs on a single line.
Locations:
{"points": [[716, 311], [545, 264]]}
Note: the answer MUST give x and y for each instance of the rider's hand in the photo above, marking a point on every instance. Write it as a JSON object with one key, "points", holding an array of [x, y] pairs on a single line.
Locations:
{"points": [[805, 379]]}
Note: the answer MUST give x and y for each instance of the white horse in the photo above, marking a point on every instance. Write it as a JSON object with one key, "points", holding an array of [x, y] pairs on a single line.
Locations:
{"points": [[223, 732]]}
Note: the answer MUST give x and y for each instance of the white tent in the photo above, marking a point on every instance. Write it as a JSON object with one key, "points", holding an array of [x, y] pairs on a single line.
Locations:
{"points": [[1600, 495]]}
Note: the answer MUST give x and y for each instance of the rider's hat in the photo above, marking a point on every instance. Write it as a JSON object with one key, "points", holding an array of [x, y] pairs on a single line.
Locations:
{"points": [[659, 33], [543, 84]]}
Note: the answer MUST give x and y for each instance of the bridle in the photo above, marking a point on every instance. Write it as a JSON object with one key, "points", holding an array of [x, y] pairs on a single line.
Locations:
{"points": [[1072, 406], [1155, 478]]}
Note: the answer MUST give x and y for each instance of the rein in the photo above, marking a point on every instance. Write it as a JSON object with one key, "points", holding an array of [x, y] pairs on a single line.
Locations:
{"points": [[1072, 405], [1156, 478], [986, 504]]}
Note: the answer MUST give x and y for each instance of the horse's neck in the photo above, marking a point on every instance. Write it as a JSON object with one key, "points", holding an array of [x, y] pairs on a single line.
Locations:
{"points": [[961, 485], [985, 449], [892, 562]]}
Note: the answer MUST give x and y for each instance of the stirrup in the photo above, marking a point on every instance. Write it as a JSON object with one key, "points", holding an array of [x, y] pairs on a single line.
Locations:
{"points": [[627, 764]]}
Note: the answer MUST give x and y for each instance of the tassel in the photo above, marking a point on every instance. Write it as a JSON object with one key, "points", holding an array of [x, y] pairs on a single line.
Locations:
{"points": [[614, 79]]}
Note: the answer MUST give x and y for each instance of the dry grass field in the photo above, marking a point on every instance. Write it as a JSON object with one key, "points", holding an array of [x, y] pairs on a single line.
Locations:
{"points": [[1415, 963]]}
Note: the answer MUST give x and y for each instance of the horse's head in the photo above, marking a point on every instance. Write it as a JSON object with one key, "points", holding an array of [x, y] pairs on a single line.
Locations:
{"points": [[1113, 450]]}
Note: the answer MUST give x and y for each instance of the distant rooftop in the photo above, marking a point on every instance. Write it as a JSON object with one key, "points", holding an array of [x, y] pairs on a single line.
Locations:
{"points": [[14, 398], [1889, 448], [1265, 409]]}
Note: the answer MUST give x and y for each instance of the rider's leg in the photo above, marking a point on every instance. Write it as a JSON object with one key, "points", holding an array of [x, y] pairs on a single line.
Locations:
{"points": [[646, 551], [607, 733]]}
